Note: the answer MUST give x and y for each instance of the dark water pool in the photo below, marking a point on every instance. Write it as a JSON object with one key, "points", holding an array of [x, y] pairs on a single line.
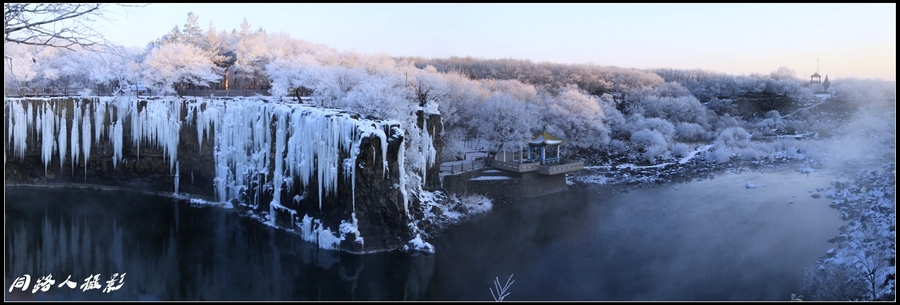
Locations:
{"points": [[713, 239]]}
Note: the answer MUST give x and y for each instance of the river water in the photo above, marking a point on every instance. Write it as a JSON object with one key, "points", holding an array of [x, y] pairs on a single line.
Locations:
{"points": [[708, 239]]}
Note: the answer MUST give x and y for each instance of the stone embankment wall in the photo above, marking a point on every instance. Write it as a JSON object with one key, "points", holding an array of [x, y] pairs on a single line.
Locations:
{"points": [[517, 186]]}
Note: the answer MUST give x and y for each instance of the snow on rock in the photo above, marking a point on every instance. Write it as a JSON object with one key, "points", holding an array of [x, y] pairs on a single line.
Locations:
{"points": [[312, 230], [867, 243], [750, 185], [418, 245], [441, 210]]}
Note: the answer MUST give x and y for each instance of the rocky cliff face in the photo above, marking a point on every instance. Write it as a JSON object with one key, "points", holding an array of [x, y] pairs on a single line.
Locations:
{"points": [[329, 176]]}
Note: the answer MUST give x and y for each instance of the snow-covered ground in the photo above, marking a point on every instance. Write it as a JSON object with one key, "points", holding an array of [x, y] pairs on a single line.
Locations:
{"points": [[862, 266], [625, 172]]}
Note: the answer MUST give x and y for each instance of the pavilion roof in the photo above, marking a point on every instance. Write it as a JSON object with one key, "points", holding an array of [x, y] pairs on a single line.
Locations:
{"points": [[544, 138]]}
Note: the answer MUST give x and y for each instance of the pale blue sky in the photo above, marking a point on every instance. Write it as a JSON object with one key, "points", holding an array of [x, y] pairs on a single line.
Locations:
{"points": [[850, 40]]}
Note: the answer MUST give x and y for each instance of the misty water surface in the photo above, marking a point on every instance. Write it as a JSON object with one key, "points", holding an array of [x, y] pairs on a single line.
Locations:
{"points": [[711, 239]]}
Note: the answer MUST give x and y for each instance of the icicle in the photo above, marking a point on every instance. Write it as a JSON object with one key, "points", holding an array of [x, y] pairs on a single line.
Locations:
{"points": [[160, 125], [204, 118], [402, 170], [76, 137], [99, 116], [86, 139], [63, 136], [279, 161], [172, 131], [28, 114], [19, 128], [32, 119], [48, 138], [307, 141], [116, 137], [177, 177], [137, 123]]}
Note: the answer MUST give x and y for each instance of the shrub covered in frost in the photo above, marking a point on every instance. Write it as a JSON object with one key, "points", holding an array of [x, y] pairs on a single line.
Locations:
{"points": [[681, 150], [689, 132], [733, 137], [652, 142]]}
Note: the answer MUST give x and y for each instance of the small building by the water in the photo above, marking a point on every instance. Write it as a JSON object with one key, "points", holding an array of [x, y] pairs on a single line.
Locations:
{"points": [[534, 171], [541, 154]]}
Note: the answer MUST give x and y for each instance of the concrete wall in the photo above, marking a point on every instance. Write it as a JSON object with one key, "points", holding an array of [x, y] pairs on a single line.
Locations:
{"points": [[519, 186]]}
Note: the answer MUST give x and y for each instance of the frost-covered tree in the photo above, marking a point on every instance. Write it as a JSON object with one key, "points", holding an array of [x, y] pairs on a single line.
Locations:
{"points": [[462, 103], [832, 282], [771, 124], [613, 118], [733, 137], [672, 109], [176, 63], [652, 143], [427, 86], [64, 69], [120, 68], [380, 96], [690, 132], [19, 66], [666, 129], [287, 74], [504, 121], [191, 33], [784, 72], [680, 150], [249, 48], [579, 117], [515, 89], [330, 85]]}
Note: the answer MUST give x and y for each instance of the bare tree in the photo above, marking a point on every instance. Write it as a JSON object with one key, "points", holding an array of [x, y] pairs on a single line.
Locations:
{"points": [[62, 25]]}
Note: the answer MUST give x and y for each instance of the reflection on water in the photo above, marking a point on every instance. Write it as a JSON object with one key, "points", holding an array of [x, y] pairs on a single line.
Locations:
{"points": [[704, 240], [172, 251]]}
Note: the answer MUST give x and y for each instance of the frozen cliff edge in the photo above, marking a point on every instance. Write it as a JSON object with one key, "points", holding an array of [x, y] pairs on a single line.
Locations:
{"points": [[332, 177]]}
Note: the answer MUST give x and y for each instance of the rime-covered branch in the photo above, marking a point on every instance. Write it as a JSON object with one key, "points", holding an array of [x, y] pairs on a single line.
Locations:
{"points": [[62, 25]]}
